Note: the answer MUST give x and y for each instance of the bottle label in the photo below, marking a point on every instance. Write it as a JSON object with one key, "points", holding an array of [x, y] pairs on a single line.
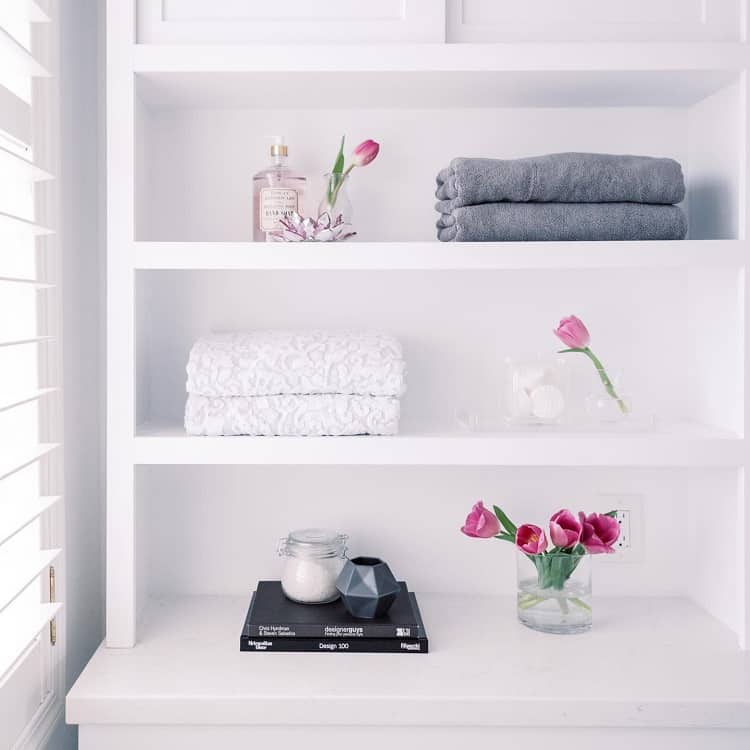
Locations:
{"points": [[275, 204]]}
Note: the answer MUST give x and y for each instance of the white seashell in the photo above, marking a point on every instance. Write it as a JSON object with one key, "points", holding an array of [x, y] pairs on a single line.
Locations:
{"points": [[547, 402], [530, 377], [519, 403]]}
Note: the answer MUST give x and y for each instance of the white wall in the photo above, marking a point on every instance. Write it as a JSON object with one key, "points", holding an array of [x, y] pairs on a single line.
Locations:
{"points": [[82, 248]]}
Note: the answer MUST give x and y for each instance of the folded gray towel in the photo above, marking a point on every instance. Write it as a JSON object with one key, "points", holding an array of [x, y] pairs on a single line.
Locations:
{"points": [[562, 178], [534, 222]]}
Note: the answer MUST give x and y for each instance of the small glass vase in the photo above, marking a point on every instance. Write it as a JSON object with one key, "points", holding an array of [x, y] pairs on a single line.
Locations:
{"points": [[335, 201], [609, 406], [536, 390], [554, 592]]}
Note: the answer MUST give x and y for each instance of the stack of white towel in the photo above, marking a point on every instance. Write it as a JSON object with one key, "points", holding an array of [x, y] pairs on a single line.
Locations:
{"points": [[295, 383]]}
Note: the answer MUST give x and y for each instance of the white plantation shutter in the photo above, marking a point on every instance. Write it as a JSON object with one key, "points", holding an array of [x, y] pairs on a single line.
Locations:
{"points": [[30, 510]]}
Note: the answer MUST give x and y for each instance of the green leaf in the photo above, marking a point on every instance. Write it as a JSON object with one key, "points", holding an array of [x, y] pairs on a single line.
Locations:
{"points": [[565, 351], [611, 514], [338, 165], [507, 524]]}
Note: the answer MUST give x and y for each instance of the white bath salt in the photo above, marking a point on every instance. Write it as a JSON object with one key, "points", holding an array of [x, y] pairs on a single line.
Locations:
{"points": [[520, 403], [530, 377], [547, 402], [311, 581]]}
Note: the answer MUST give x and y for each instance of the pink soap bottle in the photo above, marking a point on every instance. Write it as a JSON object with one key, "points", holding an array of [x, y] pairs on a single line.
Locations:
{"points": [[277, 192]]}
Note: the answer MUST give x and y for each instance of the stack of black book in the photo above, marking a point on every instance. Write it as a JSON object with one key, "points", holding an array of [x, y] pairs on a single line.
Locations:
{"points": [[274, 623]]}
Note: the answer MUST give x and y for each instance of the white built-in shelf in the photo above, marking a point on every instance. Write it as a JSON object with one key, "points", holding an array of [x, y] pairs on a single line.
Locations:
{"points": [[660, 662], [682, 445], [508, 56], [434, 75], [437, 255]]}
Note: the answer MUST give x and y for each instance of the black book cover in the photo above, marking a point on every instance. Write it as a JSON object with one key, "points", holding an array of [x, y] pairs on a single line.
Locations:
{"points": [[272, 615], [337, 645]]}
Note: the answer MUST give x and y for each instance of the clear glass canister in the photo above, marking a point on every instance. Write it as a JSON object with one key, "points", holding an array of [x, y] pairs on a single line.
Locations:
{"points": [[536, 390], [313, 559]]}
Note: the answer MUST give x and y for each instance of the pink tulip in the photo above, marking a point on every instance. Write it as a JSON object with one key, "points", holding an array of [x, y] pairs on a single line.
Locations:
{"points": [[573, 333], [564, 529], [365, 153], [530, 539], [481, 523], [599, 533]]}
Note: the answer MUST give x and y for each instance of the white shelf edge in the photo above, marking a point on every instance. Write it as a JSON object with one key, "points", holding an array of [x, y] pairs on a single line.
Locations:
{"points": [[683, 446], [510, 57], [437, 255], [676, 666]]}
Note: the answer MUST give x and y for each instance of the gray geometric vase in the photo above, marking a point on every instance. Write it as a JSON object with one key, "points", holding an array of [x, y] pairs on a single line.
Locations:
{"points": [[367, 587]]}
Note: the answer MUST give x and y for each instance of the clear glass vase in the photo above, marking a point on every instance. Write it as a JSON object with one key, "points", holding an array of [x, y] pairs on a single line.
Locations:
{"points": [[554, 592], [536, 390], [335, 201], [609, 404]]}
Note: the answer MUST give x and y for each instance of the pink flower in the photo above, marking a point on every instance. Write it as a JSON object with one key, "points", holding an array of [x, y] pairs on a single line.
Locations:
{"points": [[599, 533], [564, 529], [365, 153], [530, 539], [481, 523], [573, 333]]}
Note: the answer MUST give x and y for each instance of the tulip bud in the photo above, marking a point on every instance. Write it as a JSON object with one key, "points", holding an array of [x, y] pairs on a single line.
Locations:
{"points": [[599, 533], [573, 333], [481, 523], [530, 539], [365, 153], [564, 529]]}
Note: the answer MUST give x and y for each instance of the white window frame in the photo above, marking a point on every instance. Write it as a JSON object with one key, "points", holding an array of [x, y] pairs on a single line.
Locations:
{"points": [[45, 142]]}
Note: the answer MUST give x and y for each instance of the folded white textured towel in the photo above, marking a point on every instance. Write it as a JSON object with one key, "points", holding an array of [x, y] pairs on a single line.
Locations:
{"points": [[265, 363], [323, 414]]}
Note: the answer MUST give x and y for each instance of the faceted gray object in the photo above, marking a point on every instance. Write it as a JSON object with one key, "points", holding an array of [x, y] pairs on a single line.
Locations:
{"points": [[367, 587]]}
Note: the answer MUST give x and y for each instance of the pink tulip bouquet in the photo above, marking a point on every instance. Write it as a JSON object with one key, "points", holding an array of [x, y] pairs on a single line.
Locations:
{"points": [[574, 334], [556, 554]]}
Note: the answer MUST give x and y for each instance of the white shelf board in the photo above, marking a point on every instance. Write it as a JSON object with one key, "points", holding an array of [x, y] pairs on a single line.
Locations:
{"points": [[430, 90], [647, 663], [437, 255], [511, 56], [434, 75], [682, 445]]}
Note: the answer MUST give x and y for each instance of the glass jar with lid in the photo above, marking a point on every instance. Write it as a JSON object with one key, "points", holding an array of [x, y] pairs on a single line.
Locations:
{"points": [[313, 559]]}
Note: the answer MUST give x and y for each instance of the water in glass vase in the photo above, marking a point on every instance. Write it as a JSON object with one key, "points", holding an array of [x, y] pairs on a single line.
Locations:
{"points": [[554, 592]]}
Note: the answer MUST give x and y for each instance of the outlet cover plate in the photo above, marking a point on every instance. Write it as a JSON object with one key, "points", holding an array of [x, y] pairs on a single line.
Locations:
{"points": [[631, 544]]}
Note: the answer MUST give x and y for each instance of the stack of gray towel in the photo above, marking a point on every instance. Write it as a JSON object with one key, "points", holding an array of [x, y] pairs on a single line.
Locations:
{"points": [[570, 196]]}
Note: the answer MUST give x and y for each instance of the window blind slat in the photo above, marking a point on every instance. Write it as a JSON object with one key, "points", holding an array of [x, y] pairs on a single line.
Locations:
{"points": [[15, 166], [13, 647], [10, 402], [10, 464], [15, 115], [13, 53], [17, 515], [26, 282], [36, 13], [16, 223], [32, 340], [12, 586]]}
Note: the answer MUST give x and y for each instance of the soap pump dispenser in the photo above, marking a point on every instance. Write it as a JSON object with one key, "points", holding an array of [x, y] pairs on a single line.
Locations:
{"points": [[277, 191]]}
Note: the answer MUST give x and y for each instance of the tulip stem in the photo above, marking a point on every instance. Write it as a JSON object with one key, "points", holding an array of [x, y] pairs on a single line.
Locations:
{"points": [[580, 603], [339, 178], [530, 601], [608, 386]]}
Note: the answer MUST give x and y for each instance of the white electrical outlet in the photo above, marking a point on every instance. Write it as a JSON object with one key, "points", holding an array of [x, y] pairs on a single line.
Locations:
{"points": [[629, 546], [622, 516]]}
